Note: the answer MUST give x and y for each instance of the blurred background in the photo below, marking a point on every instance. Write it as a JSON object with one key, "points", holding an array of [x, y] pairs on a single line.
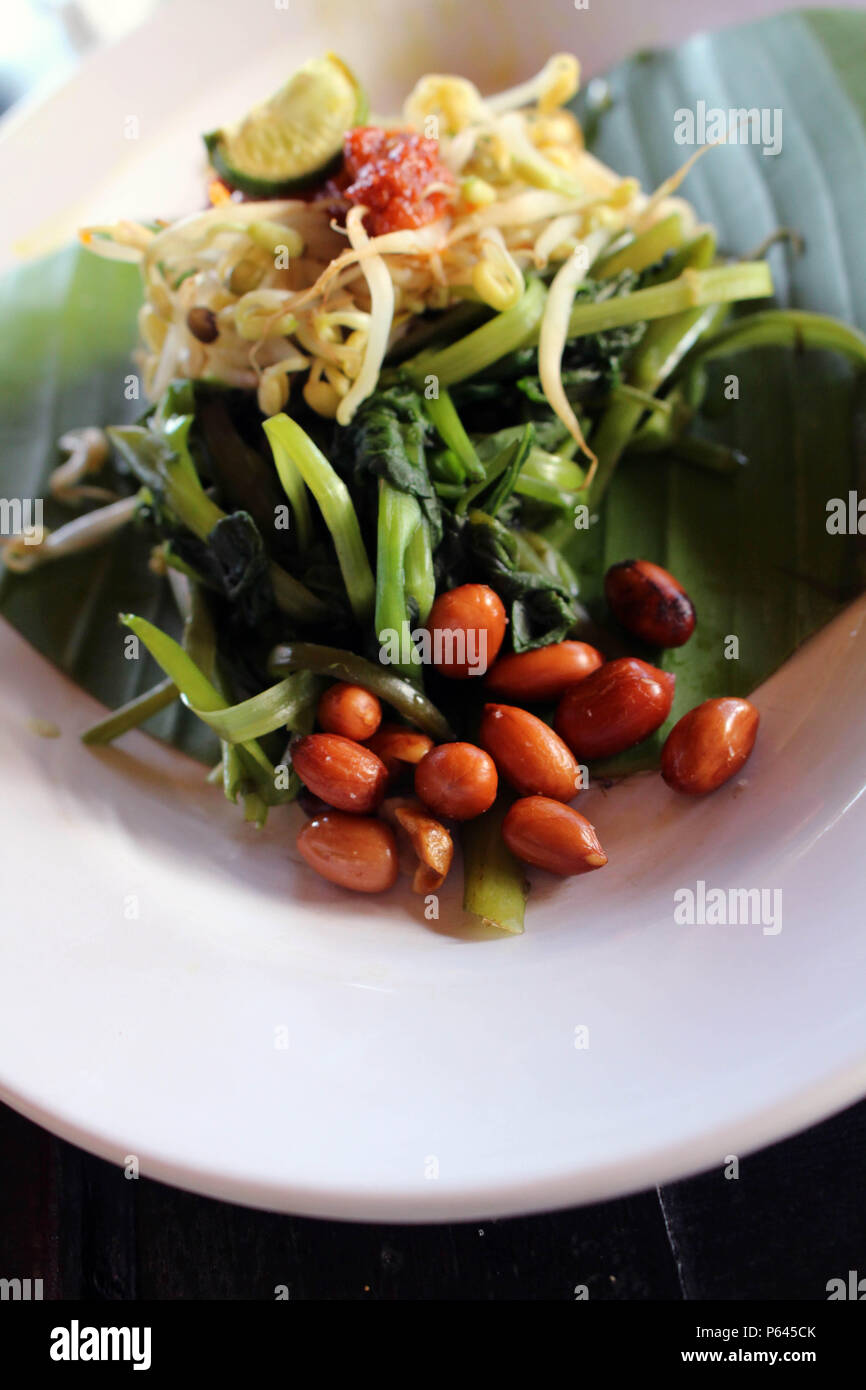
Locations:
{"points": [[44, 40]]}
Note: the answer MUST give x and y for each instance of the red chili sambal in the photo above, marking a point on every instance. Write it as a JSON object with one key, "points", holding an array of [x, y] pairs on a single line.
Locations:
{"points": [[391, 173]]}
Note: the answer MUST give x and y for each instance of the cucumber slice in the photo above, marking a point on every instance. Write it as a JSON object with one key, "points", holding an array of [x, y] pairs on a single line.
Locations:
{"points": [[295, 139]]}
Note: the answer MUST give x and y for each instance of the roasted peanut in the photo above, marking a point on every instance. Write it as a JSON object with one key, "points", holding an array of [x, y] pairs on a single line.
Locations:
{"points": [[356, 852], [552, 836], [457, 781], [399, 748], [529, 755], [709, 745], [619, 705], [649, 602], [349, 710], [341, 772], [426, 846], [543, 674], [466, 627]]}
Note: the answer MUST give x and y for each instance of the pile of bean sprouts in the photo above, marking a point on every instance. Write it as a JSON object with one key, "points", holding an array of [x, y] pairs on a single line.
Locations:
{"points": [[291, 293]]}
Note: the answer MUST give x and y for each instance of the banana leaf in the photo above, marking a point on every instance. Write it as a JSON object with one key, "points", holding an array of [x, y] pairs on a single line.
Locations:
{"points": [[68, 331], [753, 549]]}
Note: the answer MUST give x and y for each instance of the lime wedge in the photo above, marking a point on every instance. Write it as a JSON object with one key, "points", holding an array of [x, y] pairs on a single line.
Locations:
{"points": [[295, 139]]}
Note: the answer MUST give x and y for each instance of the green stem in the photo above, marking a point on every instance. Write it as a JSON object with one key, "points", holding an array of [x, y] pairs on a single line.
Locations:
{"points": [[399, 518], [234, 777], [694, 289], [192, 507], [295, 600], [450, 429], [255, 809], [133, 713], [199, 642], [712, 458], [557, 469], [662, 348], [643, 250], [342, 665], [548, 494], [336, 507], [504, 486], [792, 328], [537, 555], [199, 633], [420, 575], [166, 467], [197, 691], [444, 327], [645, 398], [503, 334], [620, 420], [445, 467], [282, 706], [493, 469], [691, 253], [501, 450], [494, 882], [295, 489]]}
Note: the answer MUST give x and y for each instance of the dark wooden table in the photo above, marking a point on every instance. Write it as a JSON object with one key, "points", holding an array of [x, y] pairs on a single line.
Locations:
{"points": [[793, 1219]]}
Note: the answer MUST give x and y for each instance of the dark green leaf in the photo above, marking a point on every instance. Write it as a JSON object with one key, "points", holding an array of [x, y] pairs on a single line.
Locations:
{"points": [[388, 439], [480, 548]]}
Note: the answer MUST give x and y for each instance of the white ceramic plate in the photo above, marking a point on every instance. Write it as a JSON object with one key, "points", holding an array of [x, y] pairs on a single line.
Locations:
{"points": [[175, 988]]}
